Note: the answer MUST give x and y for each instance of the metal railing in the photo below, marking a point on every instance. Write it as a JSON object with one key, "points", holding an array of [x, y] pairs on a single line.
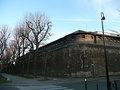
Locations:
{"points": [[115, 85]]}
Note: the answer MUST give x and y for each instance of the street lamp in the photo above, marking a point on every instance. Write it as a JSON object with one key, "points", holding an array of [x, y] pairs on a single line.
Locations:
{"points": [[106, 62]]}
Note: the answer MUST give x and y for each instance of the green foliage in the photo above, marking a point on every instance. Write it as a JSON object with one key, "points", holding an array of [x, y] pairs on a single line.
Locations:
{"points": [[4, 80]]}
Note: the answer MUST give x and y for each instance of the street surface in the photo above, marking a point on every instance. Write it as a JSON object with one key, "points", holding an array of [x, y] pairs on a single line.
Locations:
{"points": [[81, 85], [19, 83], [4, 87]]}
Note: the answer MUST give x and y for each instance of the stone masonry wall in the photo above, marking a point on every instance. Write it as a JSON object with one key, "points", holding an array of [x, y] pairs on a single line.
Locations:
{"points": [[79, 57], [82, 60]]}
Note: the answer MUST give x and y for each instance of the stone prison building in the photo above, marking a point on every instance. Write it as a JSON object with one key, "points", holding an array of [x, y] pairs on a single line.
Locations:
{"points": [[79, 54]]}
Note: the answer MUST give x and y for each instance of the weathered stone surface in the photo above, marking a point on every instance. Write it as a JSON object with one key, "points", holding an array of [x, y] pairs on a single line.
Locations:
{"points": [[78, 54]]}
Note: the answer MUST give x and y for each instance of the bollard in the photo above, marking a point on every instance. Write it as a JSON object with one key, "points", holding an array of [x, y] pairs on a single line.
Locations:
{"points": [[97, 86], [85, 84], [115, 82]]}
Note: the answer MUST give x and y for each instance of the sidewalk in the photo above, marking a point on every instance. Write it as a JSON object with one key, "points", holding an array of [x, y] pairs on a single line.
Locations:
{"points": [[20, 81], [23, 81]]}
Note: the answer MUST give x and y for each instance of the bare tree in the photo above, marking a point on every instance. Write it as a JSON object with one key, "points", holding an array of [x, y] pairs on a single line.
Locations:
{"points": [[13, 50], [18, 42], [20, 37], [7, 55], [4, 36], [39, 27], [21, 42]]}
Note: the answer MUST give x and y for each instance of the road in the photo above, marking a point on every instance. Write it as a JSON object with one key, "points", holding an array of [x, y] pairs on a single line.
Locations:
{"points": [[62, 86], [5, 87], [19, 83], [91, 85], [45, 87]]}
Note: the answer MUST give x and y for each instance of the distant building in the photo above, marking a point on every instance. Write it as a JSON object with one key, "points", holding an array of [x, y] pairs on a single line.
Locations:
{"points": [[80, 54]]}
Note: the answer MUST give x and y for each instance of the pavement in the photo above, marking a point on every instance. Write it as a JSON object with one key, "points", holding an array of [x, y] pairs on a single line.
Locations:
{"points": [[38, 81], [19, 83], [19, 80]]}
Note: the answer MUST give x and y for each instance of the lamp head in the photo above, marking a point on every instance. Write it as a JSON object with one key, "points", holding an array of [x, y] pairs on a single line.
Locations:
{"points": [[102, 16]]}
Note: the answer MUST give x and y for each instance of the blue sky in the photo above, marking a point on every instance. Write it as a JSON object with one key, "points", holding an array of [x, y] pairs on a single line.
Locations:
{"points": [[66, 15]]}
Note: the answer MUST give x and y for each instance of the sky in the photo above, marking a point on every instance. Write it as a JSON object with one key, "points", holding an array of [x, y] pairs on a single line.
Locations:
{"points": [[66, 16]]}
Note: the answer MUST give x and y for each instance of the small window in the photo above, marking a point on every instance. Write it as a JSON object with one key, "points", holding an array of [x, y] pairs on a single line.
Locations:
{"points": [[83, 36], [107, 38], [91, 37], [118, 35], [111, 39], [99, 36]]}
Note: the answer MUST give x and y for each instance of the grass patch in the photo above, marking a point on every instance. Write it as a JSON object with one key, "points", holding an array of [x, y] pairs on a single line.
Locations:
{"points": [[4, 80], [24, 76]]}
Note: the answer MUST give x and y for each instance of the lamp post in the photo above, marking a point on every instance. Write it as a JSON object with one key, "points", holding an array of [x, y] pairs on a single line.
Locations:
{"points": [[106, 62]]}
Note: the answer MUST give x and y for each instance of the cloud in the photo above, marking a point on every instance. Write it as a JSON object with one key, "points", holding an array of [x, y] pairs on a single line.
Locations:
{"points": [[112, 13], [100, 5], [109, 7]]}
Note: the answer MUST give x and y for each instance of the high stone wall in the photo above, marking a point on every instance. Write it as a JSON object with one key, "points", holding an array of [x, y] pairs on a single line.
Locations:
{"points": [[95, 61], [80, 60], [75, 59]]}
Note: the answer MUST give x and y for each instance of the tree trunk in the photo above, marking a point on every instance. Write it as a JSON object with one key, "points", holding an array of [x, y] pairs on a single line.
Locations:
{"points": [[35, 62], [23, 47]]}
